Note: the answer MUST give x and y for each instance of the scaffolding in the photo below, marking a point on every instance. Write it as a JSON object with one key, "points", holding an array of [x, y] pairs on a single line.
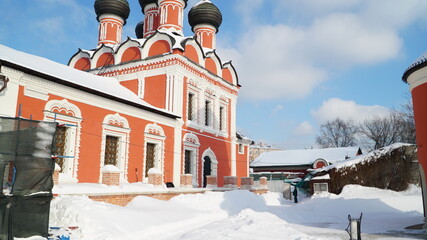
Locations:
{"points": [[26, 168]]}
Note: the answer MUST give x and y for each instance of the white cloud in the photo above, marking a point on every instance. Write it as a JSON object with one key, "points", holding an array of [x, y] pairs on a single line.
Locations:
{"points": [[288, 61], [304, 129], [270, 64], [346, 110], [347, 40]]}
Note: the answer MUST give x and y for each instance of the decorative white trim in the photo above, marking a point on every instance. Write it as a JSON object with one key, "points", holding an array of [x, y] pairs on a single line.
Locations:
{"points": [[64, 112], [214, 162], [200, 54], [116, 119], [217, 62], [36, 93], [125, 46], [191, 143], [417, 78], [154, 134], [117, 126], [93, 100], [63, 107], [319, 160], [154, 129], [207, 30]]}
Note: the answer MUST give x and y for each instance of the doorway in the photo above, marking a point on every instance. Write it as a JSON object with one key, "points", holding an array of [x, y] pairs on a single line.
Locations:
{"points": [[207, 169]]}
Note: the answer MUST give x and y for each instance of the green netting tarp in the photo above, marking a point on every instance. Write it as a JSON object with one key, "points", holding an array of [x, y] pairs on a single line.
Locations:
{"points": [[25, 150]]}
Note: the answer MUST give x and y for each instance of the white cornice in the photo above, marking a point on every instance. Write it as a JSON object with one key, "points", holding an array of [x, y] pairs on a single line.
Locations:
{"points": [[417, 78]]}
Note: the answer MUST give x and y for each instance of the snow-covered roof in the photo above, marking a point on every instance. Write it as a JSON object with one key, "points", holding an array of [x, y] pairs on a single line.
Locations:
{"points": [[371, 156], [107, 86], [419, 63], [303, 157]]}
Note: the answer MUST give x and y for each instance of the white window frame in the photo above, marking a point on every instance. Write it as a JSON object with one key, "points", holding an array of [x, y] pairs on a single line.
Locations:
{"points": [[194, 104], [214, 162], [241, 148], [123, 133], [317, 187], [154, 134], [65, 113], [192, 144]]}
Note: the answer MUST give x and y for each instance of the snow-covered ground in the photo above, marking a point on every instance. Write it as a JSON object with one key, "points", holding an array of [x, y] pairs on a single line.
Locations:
{"points": [[240, 214]]}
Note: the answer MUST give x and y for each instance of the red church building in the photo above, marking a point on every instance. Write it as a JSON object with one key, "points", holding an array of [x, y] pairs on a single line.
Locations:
{"points": [[160, 101]]}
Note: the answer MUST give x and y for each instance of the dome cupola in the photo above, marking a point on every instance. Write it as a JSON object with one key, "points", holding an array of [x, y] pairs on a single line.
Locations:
{"points": [[111, 15], [205, 12], [139, 30], [116, 7], [144, 3]]}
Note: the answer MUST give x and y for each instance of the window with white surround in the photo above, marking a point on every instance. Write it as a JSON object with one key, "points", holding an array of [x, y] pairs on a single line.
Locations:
{"points": [[320, 187], [208, 113], [191, 152], [241, 148], [67, 137], [209, 154], [111, 150], [115, 144], [191, 113], [154, 148]]}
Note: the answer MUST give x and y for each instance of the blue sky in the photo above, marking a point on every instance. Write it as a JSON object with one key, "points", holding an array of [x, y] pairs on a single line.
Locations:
{"points": [[300, 62]]}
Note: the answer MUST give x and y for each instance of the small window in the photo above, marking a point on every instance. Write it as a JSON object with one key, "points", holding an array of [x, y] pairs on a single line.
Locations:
{"points": [[111, 150], [187, 162], [59, 145], [190, 106], [241, 148], [320, 187], [221, 118], [208, 113]]}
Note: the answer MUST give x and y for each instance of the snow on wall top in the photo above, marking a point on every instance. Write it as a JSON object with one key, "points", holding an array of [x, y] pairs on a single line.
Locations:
{"points": [[107, 85], [417, 64], [362, 158], [303, 157]]}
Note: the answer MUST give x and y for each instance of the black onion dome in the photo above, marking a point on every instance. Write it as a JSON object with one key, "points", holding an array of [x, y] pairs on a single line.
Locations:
{"points": [[205, 12], [118, 7], [139, 30], [144, 3]]}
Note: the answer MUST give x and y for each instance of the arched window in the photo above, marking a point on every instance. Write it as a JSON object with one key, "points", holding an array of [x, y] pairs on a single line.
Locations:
{"points": [[210, 165], [67, 137], [115, 144], [154, 148], [191, 154]]}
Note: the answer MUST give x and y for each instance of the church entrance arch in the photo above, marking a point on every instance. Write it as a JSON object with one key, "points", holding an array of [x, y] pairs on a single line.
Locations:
{"points": [[210, 165]]}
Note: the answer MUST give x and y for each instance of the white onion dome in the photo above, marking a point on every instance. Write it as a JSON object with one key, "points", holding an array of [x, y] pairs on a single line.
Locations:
{"points": [[205, 12], [117, 7]]}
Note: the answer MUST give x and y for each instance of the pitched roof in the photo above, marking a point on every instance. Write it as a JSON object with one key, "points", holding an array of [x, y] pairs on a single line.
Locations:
{"points": [[303, 157], [102, 86]]}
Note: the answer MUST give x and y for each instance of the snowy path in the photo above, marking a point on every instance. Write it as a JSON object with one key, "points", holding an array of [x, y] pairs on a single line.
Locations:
{"points": [[243, 215]]}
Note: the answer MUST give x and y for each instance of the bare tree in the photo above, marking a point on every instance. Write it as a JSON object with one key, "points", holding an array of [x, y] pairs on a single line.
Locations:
{"points": [[379, 132], [407, 113], [337, 133]]}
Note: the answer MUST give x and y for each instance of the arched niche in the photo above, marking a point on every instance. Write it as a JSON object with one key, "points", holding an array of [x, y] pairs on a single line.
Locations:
{"points": [[82, 64]]}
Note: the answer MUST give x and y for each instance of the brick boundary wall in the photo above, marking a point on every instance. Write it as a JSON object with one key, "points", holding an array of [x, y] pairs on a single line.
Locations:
{"points": [[124, 199], [186, 180], [111, 178]]}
